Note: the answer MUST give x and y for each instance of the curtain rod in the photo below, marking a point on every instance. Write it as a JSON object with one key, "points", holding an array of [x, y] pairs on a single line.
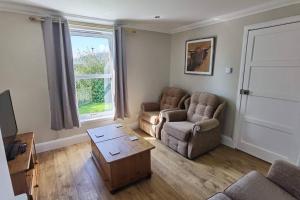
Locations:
{"points": [[42, 19], [74, 24], [36, 19]]}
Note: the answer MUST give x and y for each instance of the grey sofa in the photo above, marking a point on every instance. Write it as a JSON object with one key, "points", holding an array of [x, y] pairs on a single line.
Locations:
{"points": [[150, 116], [281, 183], [196, 130]]}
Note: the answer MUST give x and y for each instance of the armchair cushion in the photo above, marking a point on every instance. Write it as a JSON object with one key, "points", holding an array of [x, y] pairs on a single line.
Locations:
{"points": [[171, 97], [151, 117], [202, 106], [150, 106], [179, 130]]}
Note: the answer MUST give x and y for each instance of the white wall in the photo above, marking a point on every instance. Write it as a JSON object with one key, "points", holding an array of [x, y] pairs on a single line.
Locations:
{"points": [[228, 54], [148, 62], [23, 71]]}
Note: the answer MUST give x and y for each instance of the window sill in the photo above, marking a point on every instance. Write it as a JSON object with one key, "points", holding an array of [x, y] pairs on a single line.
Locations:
{"points": [[99, 118]]}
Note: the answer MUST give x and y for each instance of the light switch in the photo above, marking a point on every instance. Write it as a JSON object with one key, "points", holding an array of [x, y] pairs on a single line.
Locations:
{"points": [[228, 70]]}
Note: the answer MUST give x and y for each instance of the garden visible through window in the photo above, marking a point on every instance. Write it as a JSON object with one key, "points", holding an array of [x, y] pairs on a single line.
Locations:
{"points": [[93, 73]]}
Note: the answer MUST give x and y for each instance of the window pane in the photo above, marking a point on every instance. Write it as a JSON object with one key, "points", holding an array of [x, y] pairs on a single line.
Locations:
{"points": [[94, 96], [92, 66], [91, 55]]}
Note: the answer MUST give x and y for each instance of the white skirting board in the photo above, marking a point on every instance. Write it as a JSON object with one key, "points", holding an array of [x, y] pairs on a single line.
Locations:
{"points": [[62, 142], [227, 141], [68, 141]]}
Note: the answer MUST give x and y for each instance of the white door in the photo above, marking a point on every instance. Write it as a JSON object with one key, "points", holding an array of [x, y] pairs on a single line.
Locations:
{"points": [[269, 119]]}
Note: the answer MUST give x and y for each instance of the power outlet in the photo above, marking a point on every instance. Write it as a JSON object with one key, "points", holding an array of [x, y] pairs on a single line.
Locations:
{"points": [[228, 70]]}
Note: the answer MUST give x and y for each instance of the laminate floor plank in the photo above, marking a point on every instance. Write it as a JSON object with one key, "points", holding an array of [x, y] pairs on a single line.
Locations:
{"points": [[70, 173]]}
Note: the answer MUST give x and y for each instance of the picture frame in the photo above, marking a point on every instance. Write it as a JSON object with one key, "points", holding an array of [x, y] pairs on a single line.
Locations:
{"points": [[199, 56]]}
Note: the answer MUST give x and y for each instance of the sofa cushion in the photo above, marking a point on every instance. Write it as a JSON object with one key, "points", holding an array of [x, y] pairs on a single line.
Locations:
{"points": [[202, 106], [171, 97], [219, 196], [256, 186], [151, 117], [179, 130], [287, 176]]}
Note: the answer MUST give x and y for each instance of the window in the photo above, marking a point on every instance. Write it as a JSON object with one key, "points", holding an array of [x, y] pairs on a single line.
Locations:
{"points": [[92, 55]]}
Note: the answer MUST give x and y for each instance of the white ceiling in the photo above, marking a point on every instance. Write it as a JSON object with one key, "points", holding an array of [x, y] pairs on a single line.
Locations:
{"points": [[175, 14]]}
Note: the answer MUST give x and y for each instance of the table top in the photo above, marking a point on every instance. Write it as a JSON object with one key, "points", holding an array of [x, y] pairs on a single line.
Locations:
{"points": [[122, 144], [22, 161], [104, 133]]}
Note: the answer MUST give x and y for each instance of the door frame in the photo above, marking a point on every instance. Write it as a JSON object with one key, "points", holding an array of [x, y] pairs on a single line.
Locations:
{"points": [[247, 29]]}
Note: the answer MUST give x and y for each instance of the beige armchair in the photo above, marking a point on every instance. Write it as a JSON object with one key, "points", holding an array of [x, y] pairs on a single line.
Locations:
{"points": [[194, 131], [150, 117]]}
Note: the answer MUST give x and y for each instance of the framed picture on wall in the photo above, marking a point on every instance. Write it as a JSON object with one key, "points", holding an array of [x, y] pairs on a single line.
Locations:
{"points": [[199, 56]]}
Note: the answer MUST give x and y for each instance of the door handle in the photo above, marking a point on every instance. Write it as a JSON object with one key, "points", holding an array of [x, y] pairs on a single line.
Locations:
{"points": [[244, 92]]}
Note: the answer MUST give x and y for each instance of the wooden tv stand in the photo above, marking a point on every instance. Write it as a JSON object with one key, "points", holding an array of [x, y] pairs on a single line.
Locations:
{"points": [[24, 168]]}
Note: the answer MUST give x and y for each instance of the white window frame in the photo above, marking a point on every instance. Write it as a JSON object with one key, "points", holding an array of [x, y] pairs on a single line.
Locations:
{"points": [[96, 34]]}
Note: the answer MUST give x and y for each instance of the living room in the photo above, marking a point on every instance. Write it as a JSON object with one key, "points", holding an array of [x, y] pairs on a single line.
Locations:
{"points": [[150, 100]]}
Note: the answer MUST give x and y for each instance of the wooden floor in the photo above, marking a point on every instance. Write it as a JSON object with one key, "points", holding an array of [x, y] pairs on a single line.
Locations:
{"points": [[70, 173]]}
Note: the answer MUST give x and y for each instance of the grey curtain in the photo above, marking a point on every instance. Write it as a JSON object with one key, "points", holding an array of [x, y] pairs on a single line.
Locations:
{"points": [[60, 72], [121, 96]]}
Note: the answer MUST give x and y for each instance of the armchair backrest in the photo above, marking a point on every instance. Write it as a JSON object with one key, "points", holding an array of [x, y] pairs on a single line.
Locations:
{"points": [[202, 106], [172, 98]]}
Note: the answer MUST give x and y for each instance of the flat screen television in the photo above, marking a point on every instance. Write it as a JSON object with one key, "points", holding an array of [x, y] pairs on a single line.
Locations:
{"points": [[8, 123]]}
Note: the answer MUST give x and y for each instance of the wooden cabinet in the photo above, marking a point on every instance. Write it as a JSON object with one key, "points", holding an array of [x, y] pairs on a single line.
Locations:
{"points": [[24, 168]]}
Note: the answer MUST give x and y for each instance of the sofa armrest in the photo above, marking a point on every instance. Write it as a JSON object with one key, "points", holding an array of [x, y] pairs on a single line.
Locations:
{"points": [[205, 125], [150, 106], [287, 176], [175, 115], [219, 196]]}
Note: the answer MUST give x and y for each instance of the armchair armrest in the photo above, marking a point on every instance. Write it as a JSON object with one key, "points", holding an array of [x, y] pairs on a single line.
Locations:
{"points": [[181, 103], [175, 115], [287, 176], [187, 103], [162, 112], [205, 125], [219, 111], [150, 106]]}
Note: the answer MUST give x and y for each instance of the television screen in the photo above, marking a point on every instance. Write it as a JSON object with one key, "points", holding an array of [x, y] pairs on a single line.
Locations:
{"points": [[8, 124]]}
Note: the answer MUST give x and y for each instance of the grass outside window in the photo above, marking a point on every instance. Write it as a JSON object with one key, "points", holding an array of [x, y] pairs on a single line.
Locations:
{"points": [[94, 108]]}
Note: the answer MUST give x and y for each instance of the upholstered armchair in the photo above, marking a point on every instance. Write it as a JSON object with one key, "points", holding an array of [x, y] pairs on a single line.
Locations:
{"points": [[151, 112], [194, 131]]}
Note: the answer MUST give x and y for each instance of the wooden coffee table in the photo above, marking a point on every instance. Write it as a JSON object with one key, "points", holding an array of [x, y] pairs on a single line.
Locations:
{"points": [[120, 160]]}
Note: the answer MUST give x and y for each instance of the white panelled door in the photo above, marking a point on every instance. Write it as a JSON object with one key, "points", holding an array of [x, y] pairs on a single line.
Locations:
{"points": [[269, 122]]}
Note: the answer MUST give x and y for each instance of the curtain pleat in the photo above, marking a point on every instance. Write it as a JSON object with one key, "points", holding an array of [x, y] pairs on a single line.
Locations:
{"points": [[121, 96], [60, 74]]}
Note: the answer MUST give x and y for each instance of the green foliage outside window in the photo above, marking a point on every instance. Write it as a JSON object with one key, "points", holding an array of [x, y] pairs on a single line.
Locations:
{"points": [[91, 90], [98, 91]]}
